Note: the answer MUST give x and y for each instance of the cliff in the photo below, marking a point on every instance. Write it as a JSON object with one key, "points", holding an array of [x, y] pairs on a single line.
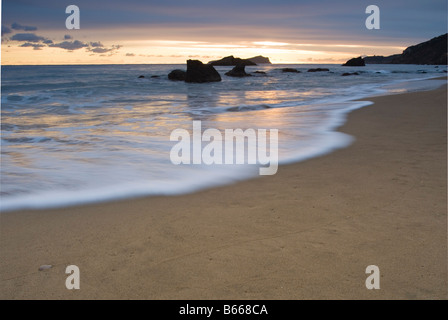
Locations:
{"points": [[433, 51]]}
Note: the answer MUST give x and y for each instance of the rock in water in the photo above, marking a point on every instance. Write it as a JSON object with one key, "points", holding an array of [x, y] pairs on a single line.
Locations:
{"points": [[355, 62], [141, 77], [238, 71], [199, 72], [177, 75], [290, 70], [318, 70], [260, 73]]}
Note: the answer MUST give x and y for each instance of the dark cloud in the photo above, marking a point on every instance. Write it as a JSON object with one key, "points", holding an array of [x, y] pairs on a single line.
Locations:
{"points": [[29, 37], [35, 46], [5, 30], [38, 42], [69, 45], [94, 47], [96, 44], [17, 26]]}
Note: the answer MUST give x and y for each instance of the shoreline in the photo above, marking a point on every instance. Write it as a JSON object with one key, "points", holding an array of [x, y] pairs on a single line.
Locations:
{"points": [[380, 201]]}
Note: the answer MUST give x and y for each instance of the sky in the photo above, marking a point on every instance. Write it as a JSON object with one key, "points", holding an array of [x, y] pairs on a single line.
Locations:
{"points": [[172, 31]]}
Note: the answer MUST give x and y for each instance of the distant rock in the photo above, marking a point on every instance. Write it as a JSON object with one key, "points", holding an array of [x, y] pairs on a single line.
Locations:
{"points": [[232, 61], [350, 74], [177, 75], [318, 70], [355, 62], [260, 73], [199, 72], [140, 77], [290, 70], [260, 60], [238, 71], [432, 52], [155, 77]]}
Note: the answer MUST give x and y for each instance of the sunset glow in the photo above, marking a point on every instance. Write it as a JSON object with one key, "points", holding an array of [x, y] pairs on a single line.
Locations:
{"points": [[172, 32]]}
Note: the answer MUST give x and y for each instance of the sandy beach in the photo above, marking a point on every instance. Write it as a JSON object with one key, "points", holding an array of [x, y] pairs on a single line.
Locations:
{"points": [[308, 232]]}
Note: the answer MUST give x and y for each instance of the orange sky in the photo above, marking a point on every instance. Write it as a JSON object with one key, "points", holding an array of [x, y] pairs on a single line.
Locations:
{"points": [[178, 51]]}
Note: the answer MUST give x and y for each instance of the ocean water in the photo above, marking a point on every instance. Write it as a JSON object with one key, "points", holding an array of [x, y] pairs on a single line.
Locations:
{"points": [[78, 134]]}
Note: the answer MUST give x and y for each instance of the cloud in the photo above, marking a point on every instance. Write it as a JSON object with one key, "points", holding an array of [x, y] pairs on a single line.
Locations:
{"points": [[96, 44], [5, 30], [69, 45], [17, 26], [35, 46], [94, 47], [130, 54], [38, 42], [99, 48], [29, 37]]}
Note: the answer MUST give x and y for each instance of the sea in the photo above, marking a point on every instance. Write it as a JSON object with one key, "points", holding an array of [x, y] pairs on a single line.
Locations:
{"points": [[77, 134]]}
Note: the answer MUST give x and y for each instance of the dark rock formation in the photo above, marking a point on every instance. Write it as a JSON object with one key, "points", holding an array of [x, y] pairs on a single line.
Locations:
{"points": [[350, 74], [232, 61], [260, 60], [290, 70], [355, 62], [199, 72], [141, 77], [433, 52], [318, 70], [260, 72], [177, 75], [238, 71], [154, 77], [380, 59]]}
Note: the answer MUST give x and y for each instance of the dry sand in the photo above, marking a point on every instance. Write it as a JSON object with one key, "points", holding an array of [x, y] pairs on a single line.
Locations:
{"points": [[309, 232]]}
